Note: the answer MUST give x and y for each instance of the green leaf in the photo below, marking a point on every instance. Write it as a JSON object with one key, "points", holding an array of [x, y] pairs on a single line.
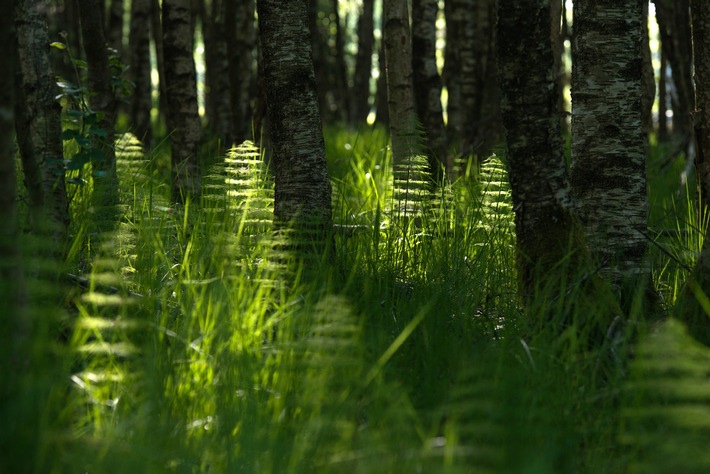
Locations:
{"points": [[58, 45], [74, 113], [98, 132], [70, 134]]}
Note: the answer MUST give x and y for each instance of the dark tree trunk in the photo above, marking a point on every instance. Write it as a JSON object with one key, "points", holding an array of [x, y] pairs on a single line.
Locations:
{"points": [[701, 56], [64, 26], [427, 85], [319, 48], [11, 274], [101, 101], [663, 100], [471, 76], [382, 116], [157, 31], [140, 69], [217, 100], [39, 124], [181, 89], [302, 187], [341, 70], [400, 90], [608, 173], [360, 104], [552, 257], [538, 176], [675, 34], [114, 25], [456, 22], [690, 310], [241, 44]]}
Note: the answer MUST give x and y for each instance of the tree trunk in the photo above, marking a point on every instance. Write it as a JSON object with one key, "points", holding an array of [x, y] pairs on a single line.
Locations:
{"points": [[101, 101], [675, 34], [341, 69], [302, 187], [382, 115], [140, 70], [553, 261], [11, 274], [217, 100], [157, 31], [479, 88], [39, 126], [663, 100], [427, 85], [319, 48], [63, 24], [457, 13], [114, 24], [689, 309], [701, 55], [398, 60], [360, 102], [608, 173], [241, 43], [538, 176], [471, 76], [181, 89]]}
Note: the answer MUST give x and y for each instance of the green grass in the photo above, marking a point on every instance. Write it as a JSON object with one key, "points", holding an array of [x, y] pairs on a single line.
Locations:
{"points": [[200, 345]]}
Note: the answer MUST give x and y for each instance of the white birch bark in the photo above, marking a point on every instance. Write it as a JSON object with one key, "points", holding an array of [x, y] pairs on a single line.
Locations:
{"points": [[608, 173]]}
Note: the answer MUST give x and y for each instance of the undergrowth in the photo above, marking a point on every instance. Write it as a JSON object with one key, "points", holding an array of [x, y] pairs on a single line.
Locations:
{"points": [[191, 341]]}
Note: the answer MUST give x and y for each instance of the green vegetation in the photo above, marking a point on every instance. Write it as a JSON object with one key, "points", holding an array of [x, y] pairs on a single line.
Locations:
{"points": [[192, 341]]}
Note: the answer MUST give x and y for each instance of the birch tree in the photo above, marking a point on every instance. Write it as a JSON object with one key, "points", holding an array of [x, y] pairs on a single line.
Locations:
{"points": [[544, 225], [38, 122], [10, 266], [140, 69], [241, 42], [552, 255], [608, 173], [690, 308], [398, 60], [360, 106], [181, 89], [302, 186], [427, 84], [101, 100]]}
